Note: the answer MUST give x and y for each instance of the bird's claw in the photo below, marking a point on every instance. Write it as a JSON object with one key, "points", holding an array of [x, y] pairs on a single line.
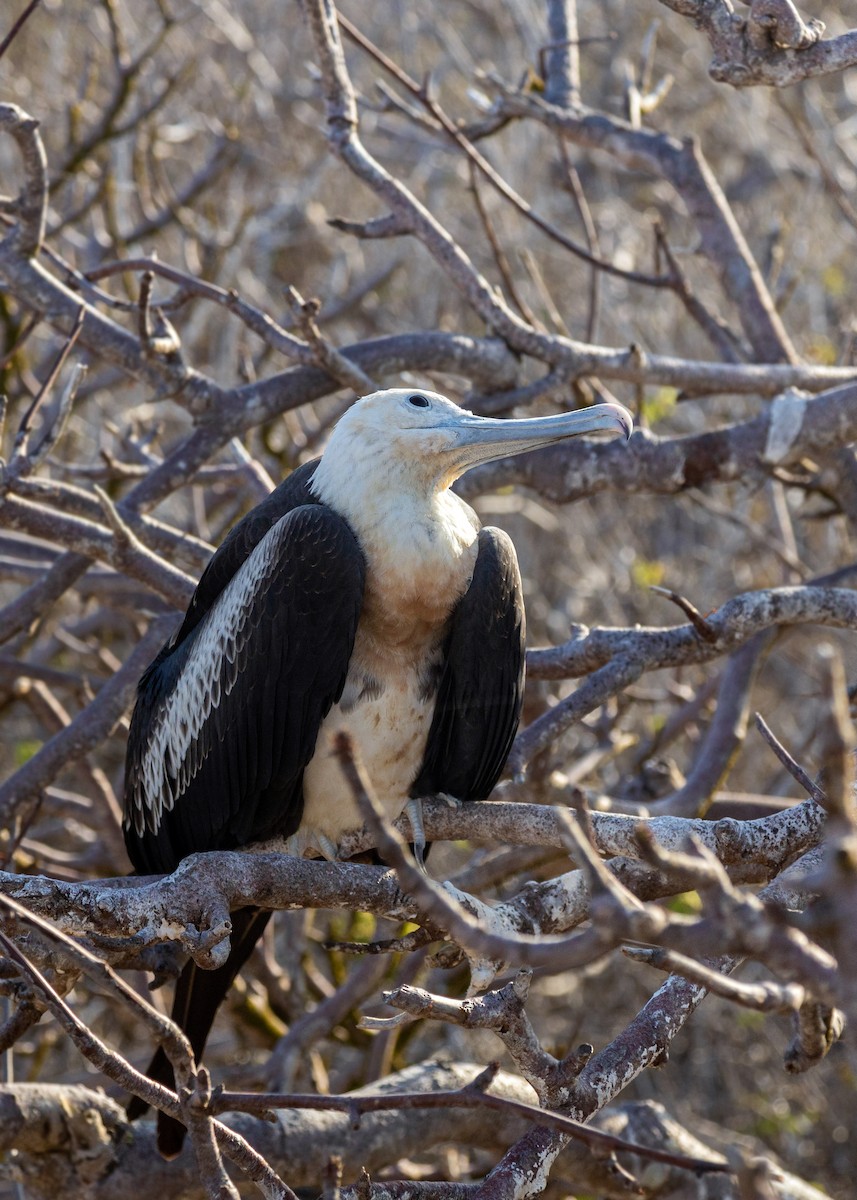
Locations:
{"points": [[414, 809], [306, 839]]}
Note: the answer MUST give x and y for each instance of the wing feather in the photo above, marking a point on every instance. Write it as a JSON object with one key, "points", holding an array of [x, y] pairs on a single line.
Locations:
{"points": [[241, 540], [226, 718], [480, 692]]}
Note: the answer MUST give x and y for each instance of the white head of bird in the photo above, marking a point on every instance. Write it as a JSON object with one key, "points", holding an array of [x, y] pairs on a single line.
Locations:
{"points": [[407, 441], [388, 467]]}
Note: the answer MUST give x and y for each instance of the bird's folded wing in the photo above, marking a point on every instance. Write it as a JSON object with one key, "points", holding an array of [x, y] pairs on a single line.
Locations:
{"points": [[241, 541], [482, 679], [227, 717]]}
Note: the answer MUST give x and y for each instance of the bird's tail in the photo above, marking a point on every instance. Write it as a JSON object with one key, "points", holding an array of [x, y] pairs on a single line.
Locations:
{"points": [[197, 998]]}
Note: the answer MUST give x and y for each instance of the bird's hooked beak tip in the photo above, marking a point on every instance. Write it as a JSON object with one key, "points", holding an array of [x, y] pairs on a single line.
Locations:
{"points": [[603, 418], [606, 418], [624, 420]]}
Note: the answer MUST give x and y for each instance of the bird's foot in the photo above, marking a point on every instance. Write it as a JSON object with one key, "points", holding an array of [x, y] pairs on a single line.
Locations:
{"points": [[310, 839], [414, 809]]}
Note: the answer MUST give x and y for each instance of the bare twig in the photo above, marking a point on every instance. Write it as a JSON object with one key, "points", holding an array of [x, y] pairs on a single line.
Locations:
{"points": [[794, 768], [473, 1094], [17, 25], [774, 47], [86, 730], [26, 237]]}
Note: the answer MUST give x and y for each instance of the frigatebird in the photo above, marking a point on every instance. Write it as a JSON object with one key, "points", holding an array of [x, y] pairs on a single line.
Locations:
{"points": [[362, 594]]}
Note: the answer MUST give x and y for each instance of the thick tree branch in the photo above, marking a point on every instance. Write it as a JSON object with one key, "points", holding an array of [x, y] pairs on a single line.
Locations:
{"points": [[772, 46]]}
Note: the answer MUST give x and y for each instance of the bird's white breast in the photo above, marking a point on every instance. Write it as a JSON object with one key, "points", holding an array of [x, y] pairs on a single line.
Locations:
{"points": [[390, 730], [418, 566]]}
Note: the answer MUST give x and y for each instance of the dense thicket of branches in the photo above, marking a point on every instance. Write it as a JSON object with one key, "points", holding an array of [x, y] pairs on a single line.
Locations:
{"points": [[218, 223]]}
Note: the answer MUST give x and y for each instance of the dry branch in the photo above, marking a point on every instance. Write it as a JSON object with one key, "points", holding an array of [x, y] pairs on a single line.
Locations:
{"points": [[772, 46]]}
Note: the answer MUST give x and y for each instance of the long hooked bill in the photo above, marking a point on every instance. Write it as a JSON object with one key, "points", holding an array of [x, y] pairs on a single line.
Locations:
{"points": [[485, 438]]}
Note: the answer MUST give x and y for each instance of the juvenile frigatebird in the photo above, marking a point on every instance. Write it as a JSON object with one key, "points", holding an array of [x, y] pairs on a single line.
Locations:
{"points": [[362, 594]]}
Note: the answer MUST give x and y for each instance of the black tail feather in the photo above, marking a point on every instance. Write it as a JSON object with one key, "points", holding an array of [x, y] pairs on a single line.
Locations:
{"points": [[197, 998]]}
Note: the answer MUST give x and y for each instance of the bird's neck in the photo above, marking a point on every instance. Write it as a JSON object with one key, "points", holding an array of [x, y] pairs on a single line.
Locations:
{"points": [[419, 542]]}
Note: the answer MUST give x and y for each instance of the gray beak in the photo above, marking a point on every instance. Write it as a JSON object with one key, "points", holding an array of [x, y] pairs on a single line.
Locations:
{"points": [[482, 439]]}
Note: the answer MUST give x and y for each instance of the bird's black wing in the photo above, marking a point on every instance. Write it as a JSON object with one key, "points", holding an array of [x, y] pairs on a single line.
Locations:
{"points": [[228, 714], [482, 679], [240, 542], [234, 551]]}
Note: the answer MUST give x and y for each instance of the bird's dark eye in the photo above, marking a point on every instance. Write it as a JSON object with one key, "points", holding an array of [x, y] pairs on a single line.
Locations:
{"points": [[418, 401]]}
